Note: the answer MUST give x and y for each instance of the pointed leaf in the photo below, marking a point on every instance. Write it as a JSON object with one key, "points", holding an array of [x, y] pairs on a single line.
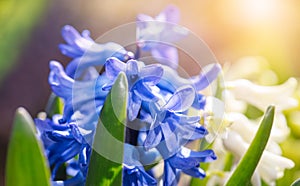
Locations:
{"points": [[248, 163], [26, 163], [105, 166]]}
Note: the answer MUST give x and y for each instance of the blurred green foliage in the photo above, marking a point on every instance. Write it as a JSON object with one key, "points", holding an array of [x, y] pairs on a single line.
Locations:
{"points": [[17, 19]]}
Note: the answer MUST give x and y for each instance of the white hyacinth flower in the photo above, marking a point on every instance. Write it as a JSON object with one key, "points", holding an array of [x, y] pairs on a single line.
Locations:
{"points": [[271, 166], [237, 95]]}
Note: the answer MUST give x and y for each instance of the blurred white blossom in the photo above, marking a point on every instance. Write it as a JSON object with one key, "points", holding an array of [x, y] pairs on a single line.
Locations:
{"points": [[237, 95]]}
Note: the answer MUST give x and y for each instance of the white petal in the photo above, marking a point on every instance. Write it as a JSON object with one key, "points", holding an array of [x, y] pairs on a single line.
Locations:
{"points": [[263, 96]]}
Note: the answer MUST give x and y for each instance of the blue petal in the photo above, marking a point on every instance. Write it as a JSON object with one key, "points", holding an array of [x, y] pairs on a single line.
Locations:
{"points": [[187, 131], [147, 179], [143, 92], [199, 101], [184, 119], [151, 74], [113, 67], [187, 159], [166, 55], [72, 67], [181, 100], [60, 83], [209, 74], [70, 51], [86, 34], [70, 34], [134, 106], [170, 138], [76, 133], [84, 155], [132, 69], [154, 136], [195, 172], [171, 80], [203, 156], [171, 175], [59, 135]]}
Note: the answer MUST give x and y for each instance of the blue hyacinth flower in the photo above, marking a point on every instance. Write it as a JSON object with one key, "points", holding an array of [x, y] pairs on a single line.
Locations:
{"points": [[133, 171], [86, 52], [171, 81], [188, 162], [84, 96], [170, 127], [157, 35], [64, 142], [141, 79]]}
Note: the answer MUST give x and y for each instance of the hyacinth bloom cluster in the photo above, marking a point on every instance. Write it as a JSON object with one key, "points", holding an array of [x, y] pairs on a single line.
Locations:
{"points": [[158, 103], [238, 95]]}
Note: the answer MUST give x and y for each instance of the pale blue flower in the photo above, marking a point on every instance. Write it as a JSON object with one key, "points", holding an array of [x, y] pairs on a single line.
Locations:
{"points": [[63, 142], [188, 162], [86, 96], [170, 127], [140, 80], [86, 52], [157, 35]]}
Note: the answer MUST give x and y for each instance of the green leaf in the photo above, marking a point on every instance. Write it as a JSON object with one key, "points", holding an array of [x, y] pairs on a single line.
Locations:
{"points": [[296, 182], [26, 163], [248, 163], [105, 166]]}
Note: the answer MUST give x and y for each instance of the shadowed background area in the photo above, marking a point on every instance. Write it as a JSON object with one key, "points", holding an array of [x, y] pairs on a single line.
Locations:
{"points": [[30, 34]]}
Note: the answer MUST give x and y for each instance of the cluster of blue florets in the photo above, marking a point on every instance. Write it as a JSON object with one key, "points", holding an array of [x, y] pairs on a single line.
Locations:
{"points": [[159, 100]]}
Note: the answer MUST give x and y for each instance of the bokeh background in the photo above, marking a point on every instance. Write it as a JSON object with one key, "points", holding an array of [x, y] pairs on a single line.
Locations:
{"points": [[30, 34]]}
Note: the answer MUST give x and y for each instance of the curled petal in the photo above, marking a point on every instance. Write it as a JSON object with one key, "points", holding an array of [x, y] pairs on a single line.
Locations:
{"points": [[151, 74], [70, 34], [209, 74], [59, 81], [181, 100], [113, 67], [187, 159], [195, 172]]}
